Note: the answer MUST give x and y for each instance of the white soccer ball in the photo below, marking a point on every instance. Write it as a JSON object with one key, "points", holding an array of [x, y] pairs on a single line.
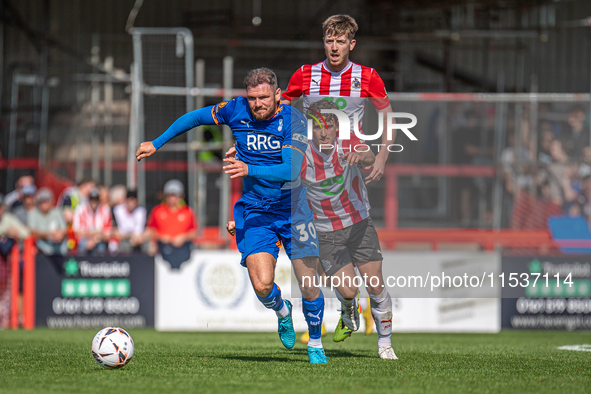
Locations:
{"points": [[112, 347]]}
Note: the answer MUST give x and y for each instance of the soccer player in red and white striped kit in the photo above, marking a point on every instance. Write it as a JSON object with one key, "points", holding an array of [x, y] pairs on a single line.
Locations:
{"points": [[336, 188]]}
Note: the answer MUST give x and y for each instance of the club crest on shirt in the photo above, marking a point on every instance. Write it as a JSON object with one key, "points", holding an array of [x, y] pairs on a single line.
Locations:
{"points": [[342, 161], [355, 84]]}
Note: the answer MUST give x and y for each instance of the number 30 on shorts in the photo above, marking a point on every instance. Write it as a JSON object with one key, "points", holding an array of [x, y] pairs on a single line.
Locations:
{"points": [[305, 235]]}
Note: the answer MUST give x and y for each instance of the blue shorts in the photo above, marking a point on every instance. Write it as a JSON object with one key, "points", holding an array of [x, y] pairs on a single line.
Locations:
{"points": [[262, 227]]}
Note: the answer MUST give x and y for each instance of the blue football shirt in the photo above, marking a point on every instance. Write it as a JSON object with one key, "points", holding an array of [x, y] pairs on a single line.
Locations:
{"points": [[260, 142]]}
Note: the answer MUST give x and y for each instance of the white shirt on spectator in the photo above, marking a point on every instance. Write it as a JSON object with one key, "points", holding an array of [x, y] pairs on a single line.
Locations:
{"points": [[130, 222]]}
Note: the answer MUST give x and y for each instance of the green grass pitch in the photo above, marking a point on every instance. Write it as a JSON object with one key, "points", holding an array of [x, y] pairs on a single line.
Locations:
{"points": [[51, 361]]}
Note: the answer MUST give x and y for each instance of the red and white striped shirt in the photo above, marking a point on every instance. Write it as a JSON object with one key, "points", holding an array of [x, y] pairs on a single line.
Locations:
{"points": [[348, 88], [85, 220], [336, 190]]}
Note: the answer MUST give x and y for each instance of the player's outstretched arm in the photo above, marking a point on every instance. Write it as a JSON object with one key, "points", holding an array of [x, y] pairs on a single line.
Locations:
{"points": [[202, 116]]}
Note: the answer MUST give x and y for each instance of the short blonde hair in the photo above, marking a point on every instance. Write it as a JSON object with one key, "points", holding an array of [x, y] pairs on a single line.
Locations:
{"points": [[337, 25]]}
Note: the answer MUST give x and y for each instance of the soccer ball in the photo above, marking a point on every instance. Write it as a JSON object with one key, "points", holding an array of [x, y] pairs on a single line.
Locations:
{"points": [[112, 347]]}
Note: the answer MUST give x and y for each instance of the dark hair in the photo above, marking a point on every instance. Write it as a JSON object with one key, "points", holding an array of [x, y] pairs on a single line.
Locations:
{"points": [[259, 76], [576, 108], [131, 194], [315, 110], [86, 180]]}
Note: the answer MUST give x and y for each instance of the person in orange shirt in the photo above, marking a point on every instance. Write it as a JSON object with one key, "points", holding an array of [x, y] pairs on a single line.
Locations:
{"points": [[172, 225]]}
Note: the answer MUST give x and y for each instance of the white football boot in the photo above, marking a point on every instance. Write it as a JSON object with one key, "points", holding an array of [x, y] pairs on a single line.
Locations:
{"points": [[387, 353]]}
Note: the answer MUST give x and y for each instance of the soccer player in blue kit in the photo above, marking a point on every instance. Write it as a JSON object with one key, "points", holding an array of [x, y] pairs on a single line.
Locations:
{"points": [[270, 141]]}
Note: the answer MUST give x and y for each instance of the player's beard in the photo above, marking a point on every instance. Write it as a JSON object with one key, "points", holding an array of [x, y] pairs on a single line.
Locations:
{"points": [[265, 115]]}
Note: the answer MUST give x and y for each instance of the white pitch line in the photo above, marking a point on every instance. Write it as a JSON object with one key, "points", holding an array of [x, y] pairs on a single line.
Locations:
{"points": [[578, 348]]}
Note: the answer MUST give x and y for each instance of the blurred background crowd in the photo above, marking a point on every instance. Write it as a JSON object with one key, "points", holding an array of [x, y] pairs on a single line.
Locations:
{"points": [[92, 219]]}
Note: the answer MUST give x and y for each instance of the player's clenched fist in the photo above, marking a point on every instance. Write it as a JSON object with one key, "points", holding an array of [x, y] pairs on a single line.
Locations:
{"points": [[231, 227], [236, 168], [146, 149]]}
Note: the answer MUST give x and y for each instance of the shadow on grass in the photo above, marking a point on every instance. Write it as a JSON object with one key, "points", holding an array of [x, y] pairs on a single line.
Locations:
{"points": [[261, 359], [346, 354], [282, 357]]}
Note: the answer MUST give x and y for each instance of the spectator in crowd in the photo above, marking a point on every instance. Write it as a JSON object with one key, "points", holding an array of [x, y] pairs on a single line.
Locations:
{"points": [[585, 196], [558, 176], [14, 198], [68, 201], [516, 176], [74, 196], [117, 195], [47, 225], [576, 140], [172, 225], [92, 225], [473, 144], [546, 115], [104, 196], [131, 220], [27, 203], [546, 138], [11, 230], [509, 157]]}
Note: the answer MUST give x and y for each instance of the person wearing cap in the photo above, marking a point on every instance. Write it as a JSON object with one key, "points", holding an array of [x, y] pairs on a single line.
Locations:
{"points": [[27, 203], [172, 225], [92, 225], [11, 230], [131, 221], [47, 225], [14, 198]]}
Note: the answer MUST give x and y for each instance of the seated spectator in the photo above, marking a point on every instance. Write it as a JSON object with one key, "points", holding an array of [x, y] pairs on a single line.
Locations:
{"points": [[11, 230], [27, 205], [576, 139], [560, 175], [92, 225], [131, 220], [68, 201], [546, 139], [172, 225], [104, 196], [47, 225], [14, 198], [73, 196]]}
